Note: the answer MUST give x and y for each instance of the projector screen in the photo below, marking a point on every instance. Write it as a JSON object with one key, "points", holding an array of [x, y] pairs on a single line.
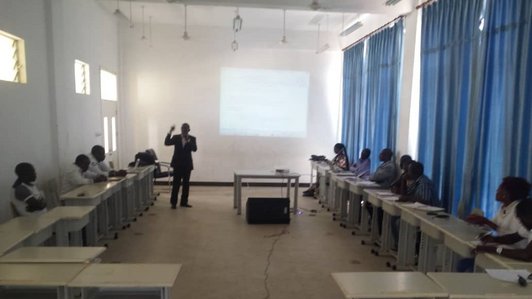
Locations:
{"points": [[260, 102]]}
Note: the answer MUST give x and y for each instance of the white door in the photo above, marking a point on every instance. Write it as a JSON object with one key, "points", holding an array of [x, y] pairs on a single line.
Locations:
{"points": [[110, 132]]}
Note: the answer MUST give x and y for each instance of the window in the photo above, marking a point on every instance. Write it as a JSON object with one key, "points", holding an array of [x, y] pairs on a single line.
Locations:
{"points": [[108, 85], [82, 77], [113, 132], [12, 58], [106, 134]]}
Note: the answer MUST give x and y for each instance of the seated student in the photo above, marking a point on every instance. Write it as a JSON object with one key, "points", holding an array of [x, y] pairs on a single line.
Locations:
{"points": [[386, 173], [509, 193], [361, 167], [419, 187], [78, 174], [523, 211], [399, 185], [98, 164], [340, 162], [27, 199]]}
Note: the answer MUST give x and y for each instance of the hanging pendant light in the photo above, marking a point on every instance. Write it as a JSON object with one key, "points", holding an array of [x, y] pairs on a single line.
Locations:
{"points": [[131, 25], [283, 40], [185, 33], [143, 25], [237, 26], [150, 36]]}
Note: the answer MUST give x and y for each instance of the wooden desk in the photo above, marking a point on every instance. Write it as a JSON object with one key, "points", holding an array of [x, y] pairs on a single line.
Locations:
{"points": [[41, 276], [478, 285], [52, 255], [41, 227], [94, 195], [13, 239], [357, 196], [133, 277], [388, 285], [336, 194], [494, 261], [70, 220], [239, 175]]}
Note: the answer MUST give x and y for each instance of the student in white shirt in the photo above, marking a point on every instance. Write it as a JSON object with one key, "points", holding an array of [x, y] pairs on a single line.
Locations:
{"points": [[98, 164], [27, 198], [79, 174], [509, 193], [523, 211]]}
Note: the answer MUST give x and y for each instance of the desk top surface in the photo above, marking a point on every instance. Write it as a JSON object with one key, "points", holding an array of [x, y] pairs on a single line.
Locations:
{"points": [[11, 239], [71, 212], [90, 191], [28, 223], [265, 174], [52, 275], [478, 285], [127, 275], [387, 285], [52, 255]]}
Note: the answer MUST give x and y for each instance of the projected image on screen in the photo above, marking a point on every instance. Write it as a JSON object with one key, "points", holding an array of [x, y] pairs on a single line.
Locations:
{"points": [[258, 102]]}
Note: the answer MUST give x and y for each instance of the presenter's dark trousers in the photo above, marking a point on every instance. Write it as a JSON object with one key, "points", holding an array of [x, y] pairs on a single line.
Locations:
{"points": [[180, 177]]}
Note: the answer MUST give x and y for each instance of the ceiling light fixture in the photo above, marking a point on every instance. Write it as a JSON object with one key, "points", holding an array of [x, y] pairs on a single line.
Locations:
{"points": [[185, 33], [119, 13], [283, 40], [315, 5], [350, 29], [322, 48], [391, 2], [131, 25], [237, 22], [237, 26], [149, 31], [143, 24]]}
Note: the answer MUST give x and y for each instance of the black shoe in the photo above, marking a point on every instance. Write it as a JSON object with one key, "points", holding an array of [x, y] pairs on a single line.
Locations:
{"points": [[173, 207], [186, 206]]}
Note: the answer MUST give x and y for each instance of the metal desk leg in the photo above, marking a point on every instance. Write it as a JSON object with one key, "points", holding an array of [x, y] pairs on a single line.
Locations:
{"points": [[239, 195], [296, 187], [234, 191]]}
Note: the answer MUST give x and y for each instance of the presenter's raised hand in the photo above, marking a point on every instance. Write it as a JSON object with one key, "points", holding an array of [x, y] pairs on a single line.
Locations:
{"points": [[172, 128]]}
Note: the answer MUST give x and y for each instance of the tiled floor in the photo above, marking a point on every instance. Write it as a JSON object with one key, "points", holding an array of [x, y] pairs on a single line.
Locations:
{"points": [[224, 257]]}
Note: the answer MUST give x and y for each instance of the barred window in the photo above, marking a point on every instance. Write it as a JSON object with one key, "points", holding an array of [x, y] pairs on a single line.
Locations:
{"points": [[82, 77], [12, 58]]}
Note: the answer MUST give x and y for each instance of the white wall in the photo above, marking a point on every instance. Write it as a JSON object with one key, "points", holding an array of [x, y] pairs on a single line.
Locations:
{"points": [[27, 129], [43, 122], [176, 81]]}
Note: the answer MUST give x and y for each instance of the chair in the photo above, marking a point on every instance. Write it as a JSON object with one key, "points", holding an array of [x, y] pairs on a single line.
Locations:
{"points": [[51, 193], [158, 173]]}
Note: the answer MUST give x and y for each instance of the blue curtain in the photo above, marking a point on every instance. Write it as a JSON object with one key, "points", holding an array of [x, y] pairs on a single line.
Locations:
{"points": [[371, 93], [473, 129], [354, 93]]}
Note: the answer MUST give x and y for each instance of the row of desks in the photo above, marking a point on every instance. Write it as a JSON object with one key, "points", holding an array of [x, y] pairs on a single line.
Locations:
{"points": [[70, 280], [445, 239], [99, 207], [429, 285]]}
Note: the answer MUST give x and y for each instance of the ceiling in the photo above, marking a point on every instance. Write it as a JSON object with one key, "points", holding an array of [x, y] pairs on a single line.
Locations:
{"points": [[332, 15]]}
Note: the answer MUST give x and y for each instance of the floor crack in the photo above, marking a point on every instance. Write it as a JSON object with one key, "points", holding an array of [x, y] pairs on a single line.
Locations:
{"points": [[268, 260]]}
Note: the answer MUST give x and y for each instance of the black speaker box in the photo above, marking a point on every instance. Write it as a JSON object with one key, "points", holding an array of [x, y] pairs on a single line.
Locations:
{"points": [[266, 210]]}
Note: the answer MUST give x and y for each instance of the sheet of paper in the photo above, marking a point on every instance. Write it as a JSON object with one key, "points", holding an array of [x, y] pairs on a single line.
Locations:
{"points": [[390, 197], [384, 193], [509, 275]]}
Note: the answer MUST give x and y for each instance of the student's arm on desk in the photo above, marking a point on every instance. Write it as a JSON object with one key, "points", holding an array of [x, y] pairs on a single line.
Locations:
{"points": [[518, 254], [481, 220]]}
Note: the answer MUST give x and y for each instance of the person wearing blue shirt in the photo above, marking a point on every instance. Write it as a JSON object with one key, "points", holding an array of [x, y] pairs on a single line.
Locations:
{"points": [[362, 167]]}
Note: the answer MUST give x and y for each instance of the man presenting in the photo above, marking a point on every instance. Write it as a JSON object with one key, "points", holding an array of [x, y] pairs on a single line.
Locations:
{"points": [[184, 145]]}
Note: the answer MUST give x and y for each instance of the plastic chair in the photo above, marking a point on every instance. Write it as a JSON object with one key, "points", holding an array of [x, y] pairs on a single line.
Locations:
{"points": [[158, 172]]}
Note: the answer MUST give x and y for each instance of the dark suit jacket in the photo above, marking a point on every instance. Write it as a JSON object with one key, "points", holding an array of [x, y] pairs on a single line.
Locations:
{"points": [[182, 159]]}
